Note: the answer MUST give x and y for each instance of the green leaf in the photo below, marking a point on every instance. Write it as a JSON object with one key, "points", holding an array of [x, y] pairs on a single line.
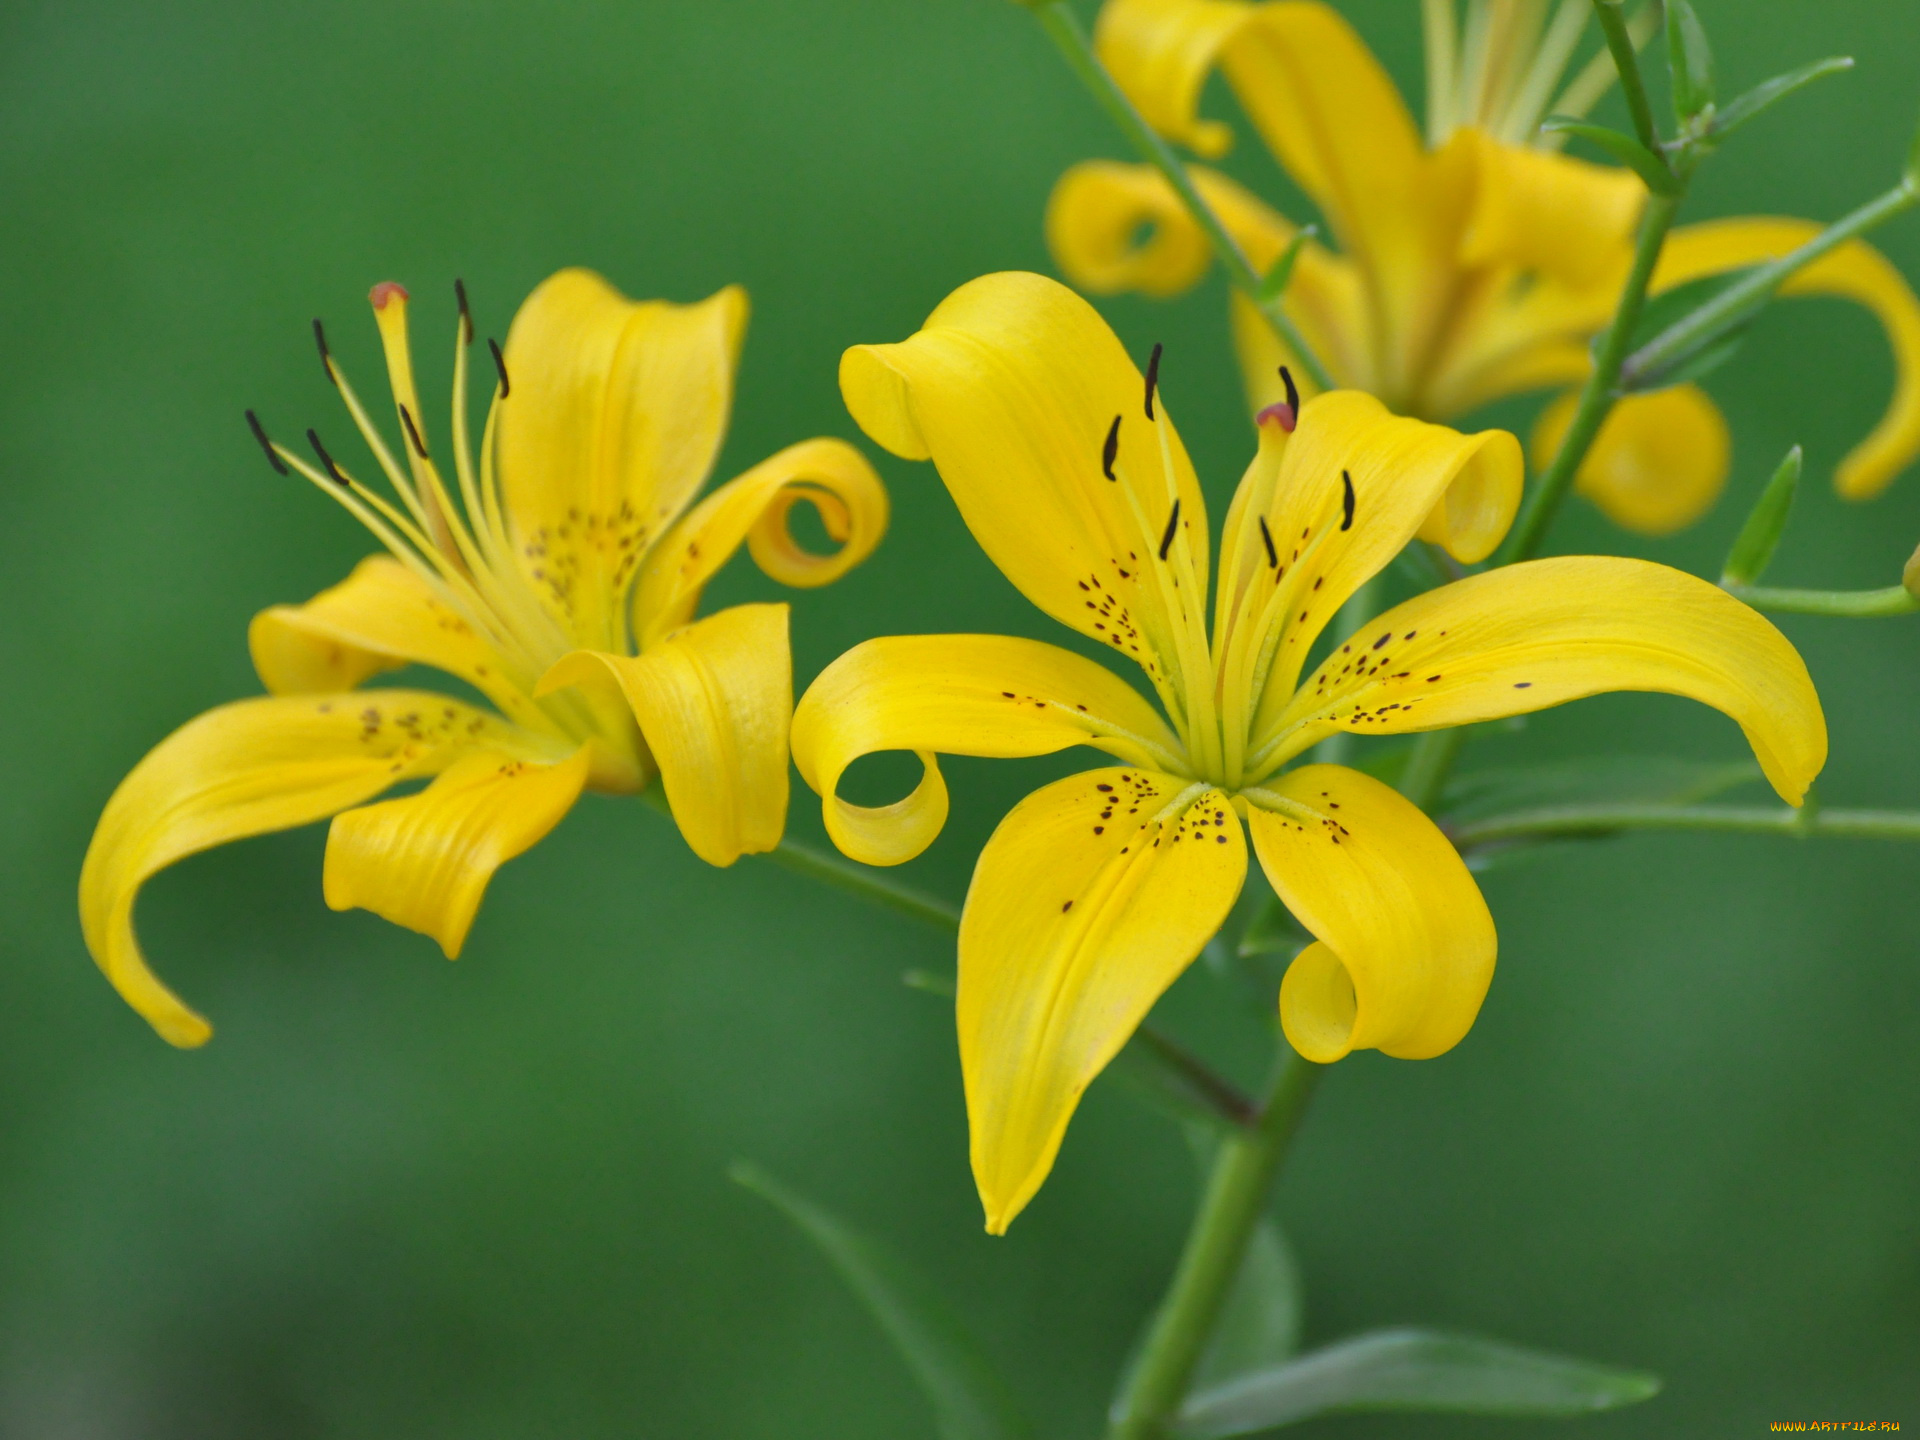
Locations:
{"points": [[1690, 59], [1707, 351], [1259, 1325], [969, 1401], [1753, 549], [1414, 1370], [1769, 93], [1596, 779], [1274, 283], [1622, 147]]}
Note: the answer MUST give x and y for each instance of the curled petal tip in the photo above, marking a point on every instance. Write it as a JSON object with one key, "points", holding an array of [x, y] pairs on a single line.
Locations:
{"points": [[385, 291]]}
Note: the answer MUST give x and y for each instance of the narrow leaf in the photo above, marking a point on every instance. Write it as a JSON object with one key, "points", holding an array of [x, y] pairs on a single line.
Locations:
{"points": [[1274, 283], [1622, 147], [1769, 93], [1753, 549], [1416, 1370], [969, 1401], [1709, 349], [1690, 59]]}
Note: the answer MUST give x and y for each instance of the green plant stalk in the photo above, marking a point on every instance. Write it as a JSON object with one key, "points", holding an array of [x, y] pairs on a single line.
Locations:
{"points": [[1730, 304], [1235, 1199], [1626, 61], [1064, 29], [1579, 820], [1426, 774], [1894, 600], [1597, 397]]}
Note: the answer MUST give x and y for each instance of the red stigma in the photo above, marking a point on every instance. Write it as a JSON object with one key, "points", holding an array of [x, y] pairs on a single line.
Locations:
{"points": [[1281, 412], [388, 289]]}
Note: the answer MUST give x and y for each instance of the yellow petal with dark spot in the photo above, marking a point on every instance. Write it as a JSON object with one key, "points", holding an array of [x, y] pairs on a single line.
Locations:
{"points": [[250, 768], [963, 695], [1405, 946], [424, 861], [1542, 633], [829, 475], [1090, 899]]}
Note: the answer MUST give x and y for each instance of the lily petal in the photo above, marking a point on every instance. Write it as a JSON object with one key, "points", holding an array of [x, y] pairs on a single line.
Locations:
{"points": [[989, 695], [1355, 485], [1405, 945], [424, 861], [1026, 401], [614, 413], [713, 700], [1092, 896], [828, 474], [1658, 463], [1550, 214], [1542, 633], [1854, 271], [247, 769], [381, 617], [1114, 227]]}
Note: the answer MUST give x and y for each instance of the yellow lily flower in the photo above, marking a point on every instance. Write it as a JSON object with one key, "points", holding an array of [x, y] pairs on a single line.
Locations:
{"points": [[1098, 890], [1473, 266], [561, 586]]}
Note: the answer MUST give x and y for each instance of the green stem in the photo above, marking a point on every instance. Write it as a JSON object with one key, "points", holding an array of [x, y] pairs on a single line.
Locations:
{"points": [[1066, 32], [1736, 302], [1626, 60], [1427, 769], [1236, 1197], [858, 880], [1578, 820], [1600, 392], [1894, 600]]}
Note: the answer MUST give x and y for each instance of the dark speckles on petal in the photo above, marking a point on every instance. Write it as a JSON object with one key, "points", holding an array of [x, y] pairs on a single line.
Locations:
{"points": [[1523, 684]]}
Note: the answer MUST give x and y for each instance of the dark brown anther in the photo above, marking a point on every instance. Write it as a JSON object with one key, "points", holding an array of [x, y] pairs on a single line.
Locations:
{"points": [[1153, 376], [260, 434], [326, 355], [1293, 390], [313, 439], [1273, 555], [1110, 449], [500, 364], [413, 434], [1173, 524], [466, 315], [1346, 502]]}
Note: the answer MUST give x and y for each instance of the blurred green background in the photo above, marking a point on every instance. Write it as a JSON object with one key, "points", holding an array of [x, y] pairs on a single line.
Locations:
{"points": [[400, 1197]]}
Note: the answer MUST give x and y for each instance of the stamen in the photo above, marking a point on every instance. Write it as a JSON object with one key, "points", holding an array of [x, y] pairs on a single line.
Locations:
{"points": [[500, 364], [326, 460], [419, 445], [466, 315], [1109, 450], [1173, 523], [1153, 376], [260, 434], [1346, 502], [1287, 411], [326, 356], [1273, 556]]}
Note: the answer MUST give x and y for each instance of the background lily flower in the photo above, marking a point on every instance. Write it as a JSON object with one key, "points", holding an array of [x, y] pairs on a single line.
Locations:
{"points": [[1098, 890], [1476, 265], [561, 585]]}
